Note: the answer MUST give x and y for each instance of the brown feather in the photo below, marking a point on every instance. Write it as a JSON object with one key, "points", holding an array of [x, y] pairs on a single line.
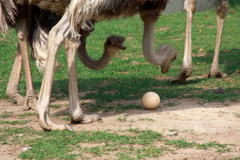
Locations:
{"points": [[7, 15]]}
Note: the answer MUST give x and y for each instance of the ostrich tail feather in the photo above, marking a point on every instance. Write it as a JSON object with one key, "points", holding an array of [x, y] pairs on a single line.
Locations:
{"points": [[7, 15]]}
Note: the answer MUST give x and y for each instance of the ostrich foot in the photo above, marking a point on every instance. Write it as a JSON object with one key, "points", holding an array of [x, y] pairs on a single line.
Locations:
{"points": [[27, 102], [17, 97], [182, 76], [86, 119], [214, 73], [30, 101], [47, 125]]}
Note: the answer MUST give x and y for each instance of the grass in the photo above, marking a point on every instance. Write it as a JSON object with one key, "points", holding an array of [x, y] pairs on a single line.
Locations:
{"points": [[146, 119], [122, 119], [26, 115], [55, 106], [70, 145], [123, 81], [237, 115], [6, 115], [15, 122], [182, 143]]}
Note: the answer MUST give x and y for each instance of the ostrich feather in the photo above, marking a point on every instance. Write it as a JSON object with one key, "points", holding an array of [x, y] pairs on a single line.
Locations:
{"points": [[81, 11], [7, 14]]}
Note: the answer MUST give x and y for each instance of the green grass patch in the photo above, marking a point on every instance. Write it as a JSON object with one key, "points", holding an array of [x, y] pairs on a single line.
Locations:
{"points": [[70, 145], [146, 119], [237, 115], [24, 115], [55, 106], [182, 143], [6, 115], [122, 119], [15, 122]]}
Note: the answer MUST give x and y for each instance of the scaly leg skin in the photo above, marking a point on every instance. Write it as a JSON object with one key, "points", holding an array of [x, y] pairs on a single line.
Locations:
{"points": [[22, 33], [56, 37], [222, 10], [30, 100], [186, 70], [75, 111], [13, 83]]}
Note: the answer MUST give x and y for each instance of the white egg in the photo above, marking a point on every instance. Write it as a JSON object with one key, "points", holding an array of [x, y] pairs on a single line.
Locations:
{"points": [[150, 100]]}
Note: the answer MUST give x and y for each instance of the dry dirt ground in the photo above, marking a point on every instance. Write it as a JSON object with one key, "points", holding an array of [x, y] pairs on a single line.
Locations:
{"points": [[190, 119]]}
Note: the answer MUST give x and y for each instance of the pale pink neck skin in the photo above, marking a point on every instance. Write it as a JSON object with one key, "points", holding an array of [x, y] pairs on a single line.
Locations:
{"points": [[99, 64], [108, 54], [165, 53], [148, 45]]}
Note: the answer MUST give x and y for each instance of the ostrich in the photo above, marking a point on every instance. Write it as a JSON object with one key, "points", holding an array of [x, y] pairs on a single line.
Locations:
{"points": [[13, 14], [186, 70], [78, 17]]}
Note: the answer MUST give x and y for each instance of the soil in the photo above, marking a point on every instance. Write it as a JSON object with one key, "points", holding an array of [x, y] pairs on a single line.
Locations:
{"points": [[184, 118]]}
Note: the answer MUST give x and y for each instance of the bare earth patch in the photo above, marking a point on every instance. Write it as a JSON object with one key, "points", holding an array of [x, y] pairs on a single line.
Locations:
{"points": [[186, 118]]}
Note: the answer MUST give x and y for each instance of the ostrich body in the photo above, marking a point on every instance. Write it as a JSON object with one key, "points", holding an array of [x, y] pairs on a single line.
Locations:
{"points": [[186, 70], [80, 15]]}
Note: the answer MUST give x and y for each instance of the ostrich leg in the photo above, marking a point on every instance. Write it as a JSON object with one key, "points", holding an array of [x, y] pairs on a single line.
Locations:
{"points": [[75, 111], [186, 70], [222, 10], [22, 26], [13, 83], [56, 37]]}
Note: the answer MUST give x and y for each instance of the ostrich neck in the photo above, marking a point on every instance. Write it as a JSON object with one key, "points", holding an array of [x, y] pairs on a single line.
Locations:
{"points": [[91, 63], [148, 45]]}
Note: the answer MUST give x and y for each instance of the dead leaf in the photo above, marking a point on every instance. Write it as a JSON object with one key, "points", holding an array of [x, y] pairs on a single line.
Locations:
{"points": [[2, 39], [134, 63], [201, 50]]}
